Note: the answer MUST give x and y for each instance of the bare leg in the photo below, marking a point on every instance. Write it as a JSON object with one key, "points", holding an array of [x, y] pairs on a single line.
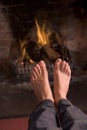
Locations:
{"points": [[44, 115], [62, 75], [40, 83], [71, 117]]}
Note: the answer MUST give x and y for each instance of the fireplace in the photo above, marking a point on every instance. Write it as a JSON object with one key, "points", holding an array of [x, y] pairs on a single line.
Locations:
{"points": [[32, 31]]}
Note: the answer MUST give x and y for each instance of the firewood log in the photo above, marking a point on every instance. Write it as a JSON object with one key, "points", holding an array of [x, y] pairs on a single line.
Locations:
{"points": [[33, 51], [51, 54]]}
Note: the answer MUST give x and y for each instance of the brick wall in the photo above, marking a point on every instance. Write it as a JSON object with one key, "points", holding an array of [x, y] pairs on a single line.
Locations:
{"points": [[5, 34]]}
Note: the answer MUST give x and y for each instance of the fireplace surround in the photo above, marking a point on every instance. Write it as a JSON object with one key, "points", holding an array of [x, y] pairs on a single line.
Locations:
{"points": [[67, 21]]}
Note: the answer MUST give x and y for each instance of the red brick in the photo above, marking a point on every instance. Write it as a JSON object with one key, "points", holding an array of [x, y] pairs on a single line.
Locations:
{"points": [[4, 52], [5, 43]]}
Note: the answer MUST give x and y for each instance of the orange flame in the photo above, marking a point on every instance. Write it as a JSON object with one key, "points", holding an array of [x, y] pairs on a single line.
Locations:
{"points": [[31, 61], [22, 47], [24, 53], [42, 33]]}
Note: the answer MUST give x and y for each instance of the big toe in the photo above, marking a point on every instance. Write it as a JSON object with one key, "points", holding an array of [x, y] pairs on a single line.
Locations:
{"points": [[57, 64], [43, 66]]}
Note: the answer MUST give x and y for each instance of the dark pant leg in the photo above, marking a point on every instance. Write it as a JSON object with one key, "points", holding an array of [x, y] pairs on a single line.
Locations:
{"points": [[44, 117], [71, 117]]}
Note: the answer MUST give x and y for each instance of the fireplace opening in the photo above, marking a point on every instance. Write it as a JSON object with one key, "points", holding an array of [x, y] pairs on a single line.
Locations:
{"points": [[46, 45], [31, 31], [36, 36]]}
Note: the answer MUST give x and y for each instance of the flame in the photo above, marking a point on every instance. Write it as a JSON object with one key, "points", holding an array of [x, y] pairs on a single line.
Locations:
{"points": [[23, 52], [42, 33], [31, 61], [22, 47]]}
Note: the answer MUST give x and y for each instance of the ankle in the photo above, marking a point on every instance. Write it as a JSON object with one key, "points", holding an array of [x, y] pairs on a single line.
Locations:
{"points": [[58, 98], [48, 98]]}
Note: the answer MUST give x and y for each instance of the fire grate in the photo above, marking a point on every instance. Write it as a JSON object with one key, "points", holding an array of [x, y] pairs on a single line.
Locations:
{"points": [[22, 71]]}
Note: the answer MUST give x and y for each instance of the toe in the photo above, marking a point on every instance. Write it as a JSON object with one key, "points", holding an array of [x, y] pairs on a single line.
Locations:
{"points": [[68, 70], [43, 66], [63, 66], [38, 69], [42, 63], [57, 64], [58, 61], [35, 72]]}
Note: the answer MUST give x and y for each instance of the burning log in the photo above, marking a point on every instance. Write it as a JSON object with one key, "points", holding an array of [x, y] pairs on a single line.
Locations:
{"points": [[63, 51], [33, 51], [50, 52], [48, 45], [37, 53], [56, 44]]}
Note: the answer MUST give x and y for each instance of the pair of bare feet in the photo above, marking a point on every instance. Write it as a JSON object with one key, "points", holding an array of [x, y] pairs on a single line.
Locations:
{"points": [[40, 82]]}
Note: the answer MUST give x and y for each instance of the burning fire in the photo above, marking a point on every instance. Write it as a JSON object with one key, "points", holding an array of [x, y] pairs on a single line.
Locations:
{"points": [[49, 42], [43, 33], [23, 52]]}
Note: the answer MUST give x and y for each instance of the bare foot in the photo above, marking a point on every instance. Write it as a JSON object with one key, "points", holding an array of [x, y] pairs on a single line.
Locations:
{"points": [[62, 75], [40, 82]]}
